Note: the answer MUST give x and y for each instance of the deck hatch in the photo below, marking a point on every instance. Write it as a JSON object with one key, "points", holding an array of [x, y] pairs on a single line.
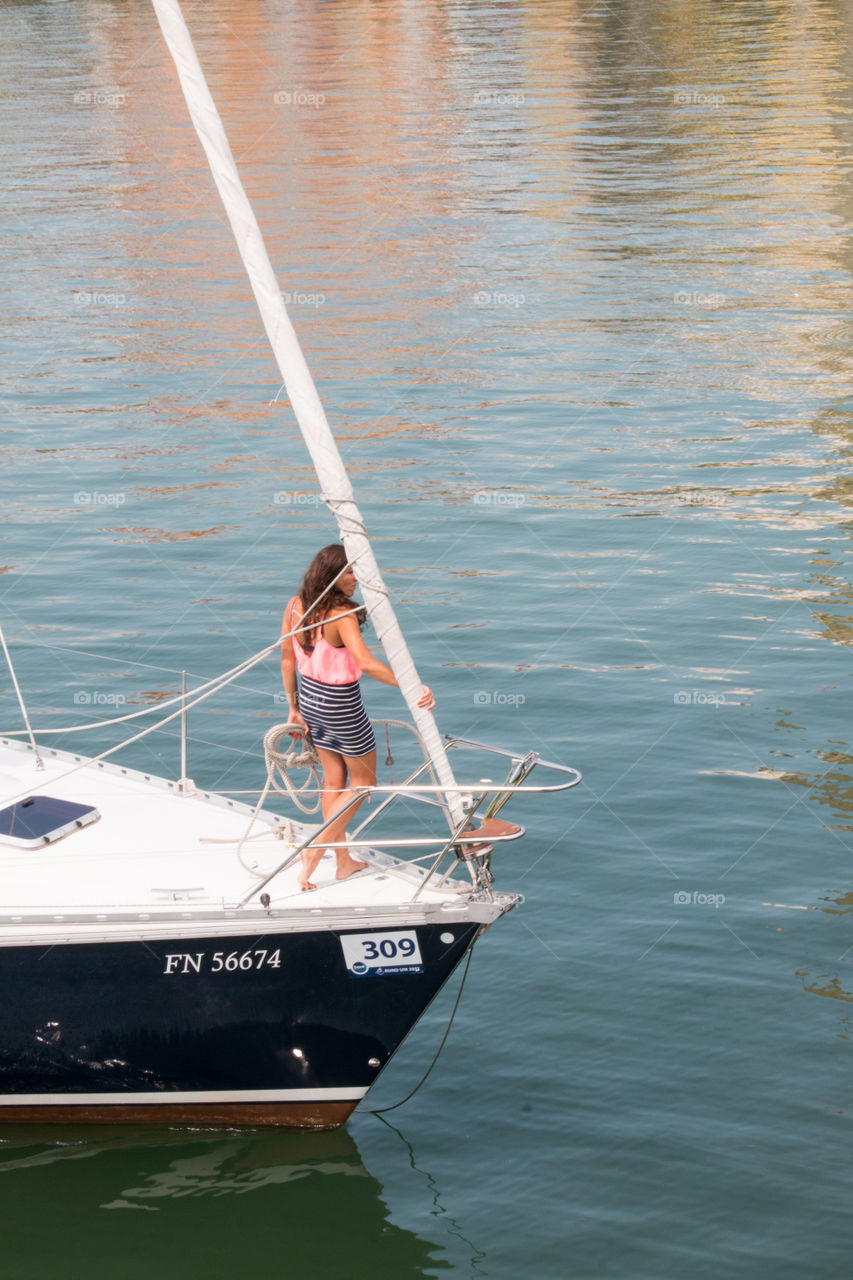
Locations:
{"points": [[40, 820]]}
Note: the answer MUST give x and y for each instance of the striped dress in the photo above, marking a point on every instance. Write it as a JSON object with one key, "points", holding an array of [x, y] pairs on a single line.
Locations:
{"points": [[330, 697]]}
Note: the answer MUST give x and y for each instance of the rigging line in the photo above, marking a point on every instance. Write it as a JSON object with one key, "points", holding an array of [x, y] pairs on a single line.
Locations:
{"points": [[21, 703], [105, 657], [111, 751], [379, 1111], [125, 662], [152, 728], [220, 681], [193, 738]]}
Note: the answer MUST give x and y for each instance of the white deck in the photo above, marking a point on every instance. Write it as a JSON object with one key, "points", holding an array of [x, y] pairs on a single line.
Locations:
{"points": [[146, 858]]}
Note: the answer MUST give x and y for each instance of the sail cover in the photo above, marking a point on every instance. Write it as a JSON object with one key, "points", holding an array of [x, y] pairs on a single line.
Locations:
{"points": [[334, 481]]}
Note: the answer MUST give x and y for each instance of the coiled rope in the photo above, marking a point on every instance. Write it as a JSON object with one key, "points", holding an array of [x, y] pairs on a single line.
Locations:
{"points": [[301, 754]]}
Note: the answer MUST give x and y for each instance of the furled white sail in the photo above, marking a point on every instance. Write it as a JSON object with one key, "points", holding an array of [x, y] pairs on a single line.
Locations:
{"points": [[335, 484]]}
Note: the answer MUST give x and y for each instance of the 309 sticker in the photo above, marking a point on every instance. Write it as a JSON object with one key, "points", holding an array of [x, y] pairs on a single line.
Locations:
{"points": [[375, 954]]}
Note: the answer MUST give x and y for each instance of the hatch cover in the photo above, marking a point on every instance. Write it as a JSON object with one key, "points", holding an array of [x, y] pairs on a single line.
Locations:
{"points": [[39, 820]]}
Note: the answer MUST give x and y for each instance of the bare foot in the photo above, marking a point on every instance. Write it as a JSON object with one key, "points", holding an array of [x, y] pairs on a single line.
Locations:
{"points": [[309, 862], [349, 868]]}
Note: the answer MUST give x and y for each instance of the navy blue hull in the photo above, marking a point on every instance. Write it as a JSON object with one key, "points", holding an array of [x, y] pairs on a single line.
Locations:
{"points": [[233, 1018]]}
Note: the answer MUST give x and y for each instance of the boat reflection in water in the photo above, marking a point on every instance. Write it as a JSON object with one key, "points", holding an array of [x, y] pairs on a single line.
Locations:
{"points": [[134, 1196]]}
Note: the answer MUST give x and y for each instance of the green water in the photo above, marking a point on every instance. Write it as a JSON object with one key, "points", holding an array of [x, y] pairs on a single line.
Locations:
{"points": [[574, 280]]}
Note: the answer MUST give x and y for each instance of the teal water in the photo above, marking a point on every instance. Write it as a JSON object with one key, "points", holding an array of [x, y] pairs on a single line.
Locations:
{"points": [[574, 280]]}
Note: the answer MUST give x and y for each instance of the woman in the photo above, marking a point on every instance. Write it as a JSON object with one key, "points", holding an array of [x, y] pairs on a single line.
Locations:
{"points": [[331, 657]]}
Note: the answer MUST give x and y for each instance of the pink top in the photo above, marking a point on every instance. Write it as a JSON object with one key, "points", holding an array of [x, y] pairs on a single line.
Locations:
{"points": [[325, 662]]}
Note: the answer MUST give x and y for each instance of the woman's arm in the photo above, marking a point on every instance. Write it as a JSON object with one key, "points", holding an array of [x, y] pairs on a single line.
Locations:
{"points": [[288, 668], [350, 634]]}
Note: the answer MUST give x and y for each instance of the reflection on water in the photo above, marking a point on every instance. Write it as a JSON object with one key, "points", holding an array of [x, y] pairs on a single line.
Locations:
{"points": [[823, 985], [628, 231], [247, 1201], [830, 788]]}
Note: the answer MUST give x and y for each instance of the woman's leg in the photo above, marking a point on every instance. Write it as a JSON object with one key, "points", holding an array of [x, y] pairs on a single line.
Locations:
{"points": [[334, 784], [362, 773]]}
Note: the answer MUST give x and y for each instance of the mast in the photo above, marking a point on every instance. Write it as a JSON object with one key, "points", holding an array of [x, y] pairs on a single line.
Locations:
{"points": [[334, 481]]}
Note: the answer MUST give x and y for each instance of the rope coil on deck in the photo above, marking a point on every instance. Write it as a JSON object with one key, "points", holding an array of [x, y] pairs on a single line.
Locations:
{"points": [[301, 754]]}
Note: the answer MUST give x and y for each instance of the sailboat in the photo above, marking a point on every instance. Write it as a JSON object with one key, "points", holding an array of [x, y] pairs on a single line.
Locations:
{"points": [[158, 959]]}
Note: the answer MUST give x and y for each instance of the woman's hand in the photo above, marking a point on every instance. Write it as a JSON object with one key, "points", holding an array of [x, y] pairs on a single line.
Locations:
{"points": [[427, 699], [294, 718]]}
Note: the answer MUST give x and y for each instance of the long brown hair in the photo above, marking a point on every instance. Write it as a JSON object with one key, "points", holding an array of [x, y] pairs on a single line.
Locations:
{"points": [[325, 566]]}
